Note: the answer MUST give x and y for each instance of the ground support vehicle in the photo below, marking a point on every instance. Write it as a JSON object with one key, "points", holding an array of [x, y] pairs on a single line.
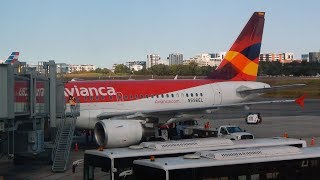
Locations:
{"points": [[117, 163]]}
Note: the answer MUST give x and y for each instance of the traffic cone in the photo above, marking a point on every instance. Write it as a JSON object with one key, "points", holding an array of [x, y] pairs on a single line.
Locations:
{"points": [[285, 135], [312, 142], [76, 148]]}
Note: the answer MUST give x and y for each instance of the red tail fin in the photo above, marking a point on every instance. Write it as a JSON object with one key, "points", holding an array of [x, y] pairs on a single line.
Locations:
{"points": [[242, 60]]}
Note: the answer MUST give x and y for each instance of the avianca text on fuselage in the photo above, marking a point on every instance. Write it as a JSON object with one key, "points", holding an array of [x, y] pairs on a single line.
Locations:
{"points": [[89, 91]]}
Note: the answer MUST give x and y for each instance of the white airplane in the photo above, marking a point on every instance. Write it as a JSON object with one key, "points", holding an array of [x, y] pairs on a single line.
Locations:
{"points": [[123, 112]]}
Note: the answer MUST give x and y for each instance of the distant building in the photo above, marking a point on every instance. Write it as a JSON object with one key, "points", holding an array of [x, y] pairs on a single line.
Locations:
{"points": [[314, 56], [152, 59], [213, 59], [136, 65], [162, 61], [216, 58], [175, 58], [286, 57], [80, 67], [305, 57], [61, 67]]}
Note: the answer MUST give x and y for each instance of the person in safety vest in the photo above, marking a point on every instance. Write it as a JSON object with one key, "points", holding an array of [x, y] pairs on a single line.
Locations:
{"points": [[72, 102], [207, 125]]}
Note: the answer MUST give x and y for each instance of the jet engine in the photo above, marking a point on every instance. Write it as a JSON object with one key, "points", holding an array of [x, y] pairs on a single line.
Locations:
{"points": [[121, 133]]}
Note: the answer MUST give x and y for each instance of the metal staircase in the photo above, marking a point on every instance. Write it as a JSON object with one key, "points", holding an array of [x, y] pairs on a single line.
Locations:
{"points": [[63, 141]]}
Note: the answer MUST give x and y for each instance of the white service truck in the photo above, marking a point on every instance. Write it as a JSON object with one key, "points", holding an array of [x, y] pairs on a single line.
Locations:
{"points": [[191, 129]]}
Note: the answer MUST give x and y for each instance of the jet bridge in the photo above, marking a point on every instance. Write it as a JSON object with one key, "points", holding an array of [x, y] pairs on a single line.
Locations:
{"points": [[32, 112]]}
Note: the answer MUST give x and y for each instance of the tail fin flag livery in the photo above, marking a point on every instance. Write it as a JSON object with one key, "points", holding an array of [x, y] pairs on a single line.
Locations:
{"points": [[12, 58], [242, 60]]}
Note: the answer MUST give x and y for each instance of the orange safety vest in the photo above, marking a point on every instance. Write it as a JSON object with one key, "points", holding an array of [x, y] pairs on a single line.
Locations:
{"points": [[72, 101]]}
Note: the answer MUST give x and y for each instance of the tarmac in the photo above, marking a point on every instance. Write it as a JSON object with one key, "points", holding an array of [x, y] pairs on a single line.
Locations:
{"points": [[277, 119]]}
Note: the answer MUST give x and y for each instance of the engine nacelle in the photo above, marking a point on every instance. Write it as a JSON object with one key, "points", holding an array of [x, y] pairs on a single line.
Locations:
{"points": [[120, 133]]}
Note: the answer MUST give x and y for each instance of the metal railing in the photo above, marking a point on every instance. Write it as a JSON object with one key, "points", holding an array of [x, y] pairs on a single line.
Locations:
{"points": [[63, 140]]}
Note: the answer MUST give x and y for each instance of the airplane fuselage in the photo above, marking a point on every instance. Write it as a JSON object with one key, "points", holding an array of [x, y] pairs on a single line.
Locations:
{"points": [[97, 97]]}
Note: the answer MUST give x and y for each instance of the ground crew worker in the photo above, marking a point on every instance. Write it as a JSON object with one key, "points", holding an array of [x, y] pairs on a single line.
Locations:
{"points": [[207, 125], [72, 102]]}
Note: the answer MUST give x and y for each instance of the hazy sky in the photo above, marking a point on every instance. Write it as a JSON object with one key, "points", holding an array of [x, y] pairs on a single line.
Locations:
{"points": [[114, 31]]}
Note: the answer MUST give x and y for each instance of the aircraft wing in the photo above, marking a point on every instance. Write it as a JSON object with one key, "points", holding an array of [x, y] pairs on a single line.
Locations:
{"points": [[269, 89], [153, 113]]}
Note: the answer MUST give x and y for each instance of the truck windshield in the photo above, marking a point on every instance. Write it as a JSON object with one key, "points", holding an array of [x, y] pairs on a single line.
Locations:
{"points": [[234, 129]]}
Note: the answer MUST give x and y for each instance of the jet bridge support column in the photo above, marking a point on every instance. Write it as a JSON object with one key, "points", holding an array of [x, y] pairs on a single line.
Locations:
{"points": [[7, 105], [53, 99]]}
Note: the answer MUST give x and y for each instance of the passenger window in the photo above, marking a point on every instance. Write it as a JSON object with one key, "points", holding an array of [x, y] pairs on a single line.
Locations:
{"points": [[125, 97], [177, 95], [91, 98], [191, 94], [147, 96], [137, 96], [187, 95], [162, 95], [182, 95], [131, 96], [97, 97], [157, 96], [102, 97], [196, 94], [110, 97], [201, 94], [172, 95], [141, 96], [167, 95], [151, 95]]}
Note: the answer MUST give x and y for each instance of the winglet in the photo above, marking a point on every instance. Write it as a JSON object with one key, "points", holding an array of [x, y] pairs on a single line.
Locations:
{"points": [[300, 100]]}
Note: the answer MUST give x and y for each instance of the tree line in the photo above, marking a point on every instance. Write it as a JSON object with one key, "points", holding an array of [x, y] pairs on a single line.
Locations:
{"points": [[289, 69], [265, 68]]}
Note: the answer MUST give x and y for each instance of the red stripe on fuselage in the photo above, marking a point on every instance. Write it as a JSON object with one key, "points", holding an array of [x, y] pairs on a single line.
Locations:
{"points": [[127, 90]]}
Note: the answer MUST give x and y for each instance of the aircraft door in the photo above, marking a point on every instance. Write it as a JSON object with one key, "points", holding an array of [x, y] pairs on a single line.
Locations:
{"points": [[217, 94]]}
